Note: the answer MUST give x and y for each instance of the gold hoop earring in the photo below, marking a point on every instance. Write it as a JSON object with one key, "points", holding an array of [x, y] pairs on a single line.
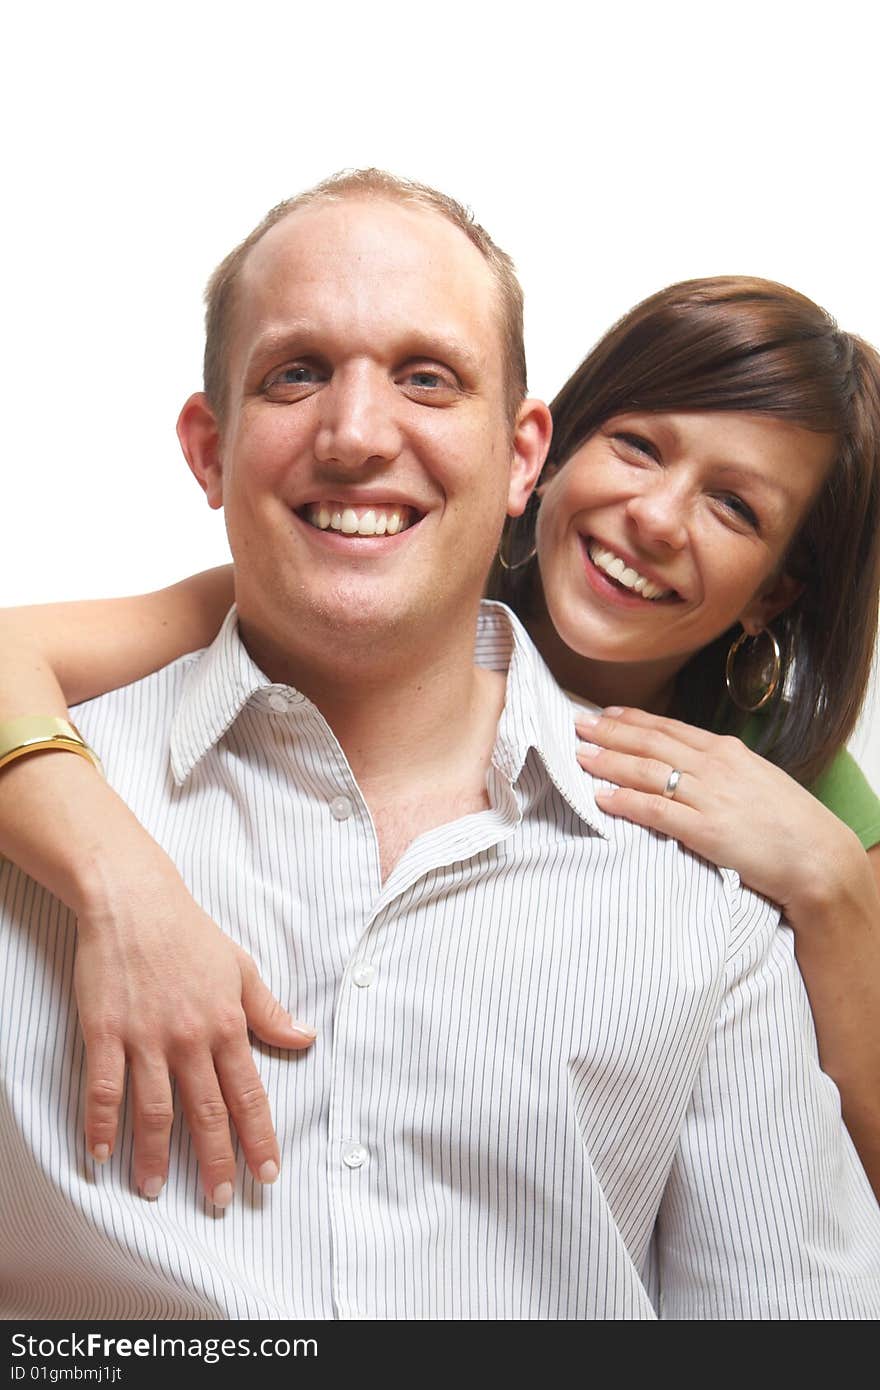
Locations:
{"points": [[753, 696], [519, 564], [508, 533]]}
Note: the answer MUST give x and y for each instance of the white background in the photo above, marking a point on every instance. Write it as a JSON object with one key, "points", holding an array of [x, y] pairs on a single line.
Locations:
{"points": [[611, 148]]}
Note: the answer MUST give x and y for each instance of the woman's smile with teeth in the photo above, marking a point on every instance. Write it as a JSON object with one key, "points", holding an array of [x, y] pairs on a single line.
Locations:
{"points": [[359, 521], [622, 573]]}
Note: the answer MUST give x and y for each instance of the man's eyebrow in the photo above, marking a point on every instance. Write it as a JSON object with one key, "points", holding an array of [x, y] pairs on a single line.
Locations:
{"points": [[297, 339], [279, 342], [445, 346]]}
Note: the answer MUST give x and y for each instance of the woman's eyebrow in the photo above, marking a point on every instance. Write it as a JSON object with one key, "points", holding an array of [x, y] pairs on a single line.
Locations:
{"points": [[755, 477]]}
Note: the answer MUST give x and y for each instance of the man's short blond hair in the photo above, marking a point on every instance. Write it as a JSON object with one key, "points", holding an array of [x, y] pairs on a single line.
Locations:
{"points": [[220, 294]]}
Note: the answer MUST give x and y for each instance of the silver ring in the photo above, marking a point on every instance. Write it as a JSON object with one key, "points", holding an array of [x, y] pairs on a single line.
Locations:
{"points": [[672, 782]]}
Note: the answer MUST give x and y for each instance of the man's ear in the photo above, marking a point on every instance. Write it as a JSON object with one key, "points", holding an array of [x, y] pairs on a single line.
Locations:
{"points": [[779, 593], [531, 440], [199, 436]]}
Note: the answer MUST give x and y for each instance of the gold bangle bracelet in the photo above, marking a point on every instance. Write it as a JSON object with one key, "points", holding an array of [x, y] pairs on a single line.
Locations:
{"points": [[42, 733]]}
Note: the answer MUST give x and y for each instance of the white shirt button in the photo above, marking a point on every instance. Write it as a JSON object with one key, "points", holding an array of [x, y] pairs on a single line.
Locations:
{"points": [[278, 702], [341, 808], [354, 1155], [363, 974]]}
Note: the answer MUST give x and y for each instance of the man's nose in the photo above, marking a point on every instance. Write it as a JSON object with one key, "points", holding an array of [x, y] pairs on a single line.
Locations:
{"points": [[659, 512], [357, 424]]}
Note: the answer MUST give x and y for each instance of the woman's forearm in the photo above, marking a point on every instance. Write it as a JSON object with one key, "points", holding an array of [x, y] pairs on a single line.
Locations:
{"points": [[837, 942], [63, 824], [63, 653], [58, 820], [149, 962]]}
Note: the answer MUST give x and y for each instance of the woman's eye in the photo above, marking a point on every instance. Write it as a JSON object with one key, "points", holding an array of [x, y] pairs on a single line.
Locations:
{"points": [[636, 443], [739, 508]]}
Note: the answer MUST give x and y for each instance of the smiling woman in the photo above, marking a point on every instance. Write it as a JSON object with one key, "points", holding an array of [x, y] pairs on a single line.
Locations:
{"points": [[647, 553], [715, 476], [724, 436]]}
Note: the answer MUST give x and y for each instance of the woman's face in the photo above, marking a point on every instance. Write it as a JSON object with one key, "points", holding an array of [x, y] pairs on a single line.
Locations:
{"points": [[663, 529]]}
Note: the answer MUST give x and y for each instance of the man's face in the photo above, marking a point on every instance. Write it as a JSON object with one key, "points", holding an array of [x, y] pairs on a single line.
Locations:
{"points": [[365, 462]]}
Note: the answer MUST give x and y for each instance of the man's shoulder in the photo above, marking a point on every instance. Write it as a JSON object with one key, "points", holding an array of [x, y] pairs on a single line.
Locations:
{"points": [[136, 717], [167, 682]]}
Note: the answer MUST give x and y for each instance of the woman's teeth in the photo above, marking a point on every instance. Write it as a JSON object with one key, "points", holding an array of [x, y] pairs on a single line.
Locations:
{"points": [[615, 568], [371, 521]]}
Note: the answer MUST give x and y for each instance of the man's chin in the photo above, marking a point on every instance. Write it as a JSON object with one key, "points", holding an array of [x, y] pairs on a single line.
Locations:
{"points": [[348, 627], [356, 621]]}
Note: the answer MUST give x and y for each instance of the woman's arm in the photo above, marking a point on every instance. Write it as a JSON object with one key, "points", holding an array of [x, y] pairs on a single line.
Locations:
{"points": [[837, 942], [59, 654], [158, 984], [734, 808]]}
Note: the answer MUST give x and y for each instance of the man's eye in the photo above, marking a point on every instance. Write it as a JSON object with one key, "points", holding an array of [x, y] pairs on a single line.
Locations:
{"points": [[292, 379], [297, 375], [428, 383]]}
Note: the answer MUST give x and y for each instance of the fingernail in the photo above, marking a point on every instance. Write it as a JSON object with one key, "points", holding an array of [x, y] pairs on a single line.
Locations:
{"points": [[268, 1171], [587, 720], [101, 1152], [587, 750], [151, 1187], [222, 1194], [605, 794], [614, 709], [304, 1030]]}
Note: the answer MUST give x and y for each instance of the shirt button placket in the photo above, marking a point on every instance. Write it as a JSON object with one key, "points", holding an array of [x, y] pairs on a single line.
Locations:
{"points": [[351, 1193], [354, 1155]]}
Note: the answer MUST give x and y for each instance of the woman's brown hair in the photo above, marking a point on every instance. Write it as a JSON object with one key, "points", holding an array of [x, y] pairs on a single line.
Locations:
{"points": [[736, 343]]}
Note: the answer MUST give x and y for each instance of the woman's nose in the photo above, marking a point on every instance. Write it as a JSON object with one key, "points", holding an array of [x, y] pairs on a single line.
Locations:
{"points": [[659, 513]]}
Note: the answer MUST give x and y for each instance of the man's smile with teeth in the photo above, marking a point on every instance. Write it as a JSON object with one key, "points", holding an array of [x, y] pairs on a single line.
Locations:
{"points": [[618, 570], [373, 520]]}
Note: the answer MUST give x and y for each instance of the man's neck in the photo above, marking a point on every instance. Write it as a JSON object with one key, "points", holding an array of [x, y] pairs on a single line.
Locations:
{"points": [[418, 732]]}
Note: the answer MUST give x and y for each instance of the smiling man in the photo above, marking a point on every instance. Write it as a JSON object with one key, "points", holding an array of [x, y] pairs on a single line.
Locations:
{"points": [[366, 448], [564, 1069]]}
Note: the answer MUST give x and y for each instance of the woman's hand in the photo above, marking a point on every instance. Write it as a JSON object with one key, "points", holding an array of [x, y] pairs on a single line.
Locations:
{"points": [[161, 987], [734, 808], [730, 806]]}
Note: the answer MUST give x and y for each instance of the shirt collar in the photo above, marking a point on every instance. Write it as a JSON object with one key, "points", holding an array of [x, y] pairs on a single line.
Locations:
{"points": [[537, 713], [217, 689]]}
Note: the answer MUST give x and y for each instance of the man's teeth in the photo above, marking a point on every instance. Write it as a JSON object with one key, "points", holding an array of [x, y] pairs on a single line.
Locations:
{"points": [[375, 521], [616, 568]]}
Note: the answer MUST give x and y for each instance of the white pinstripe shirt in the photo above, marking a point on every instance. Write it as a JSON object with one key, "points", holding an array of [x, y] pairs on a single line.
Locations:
{"points": [[564, 1068]]}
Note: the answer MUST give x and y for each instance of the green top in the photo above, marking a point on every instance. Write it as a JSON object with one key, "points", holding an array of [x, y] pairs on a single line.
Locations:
{"points": [[843, 788]]}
